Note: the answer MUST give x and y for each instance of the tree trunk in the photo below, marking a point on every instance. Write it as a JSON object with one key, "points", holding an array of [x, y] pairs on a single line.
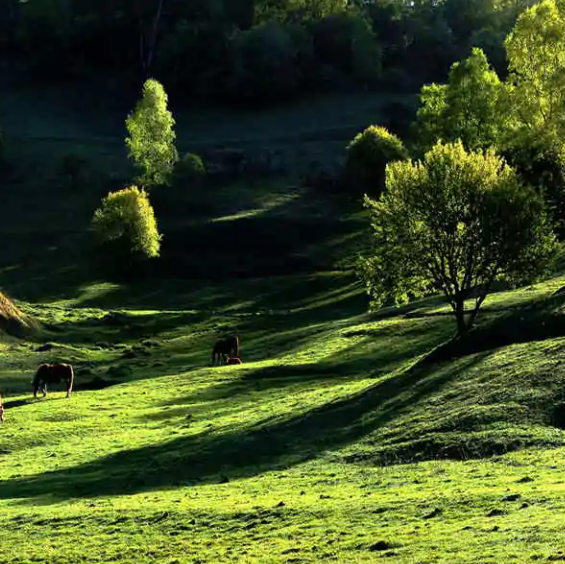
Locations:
{"points": [[152, 40], [460, 317]]}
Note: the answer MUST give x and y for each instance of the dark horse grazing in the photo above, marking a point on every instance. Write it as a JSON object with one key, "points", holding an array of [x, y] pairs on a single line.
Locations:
{"points": [[225, 348], [53, 374]]}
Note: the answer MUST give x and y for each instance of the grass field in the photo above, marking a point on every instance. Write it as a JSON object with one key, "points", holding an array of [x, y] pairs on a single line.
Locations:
{"points": [[293, 456], [345, 436]]}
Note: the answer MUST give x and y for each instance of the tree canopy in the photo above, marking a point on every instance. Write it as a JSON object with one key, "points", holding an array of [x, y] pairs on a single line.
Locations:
{"points": [[151, 141], [125, 223], [470, 107], [454, 222], [190, 46], [367, 156], [536, 55]]}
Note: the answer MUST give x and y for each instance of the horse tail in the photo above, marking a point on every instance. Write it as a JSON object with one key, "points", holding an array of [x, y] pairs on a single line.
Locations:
{"points": [[70, 380]]}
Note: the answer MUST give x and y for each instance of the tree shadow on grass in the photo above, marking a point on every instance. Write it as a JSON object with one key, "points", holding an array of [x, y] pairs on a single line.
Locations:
{"points": [[54, 269], [245, 452], [537, 321], [364, 359]]}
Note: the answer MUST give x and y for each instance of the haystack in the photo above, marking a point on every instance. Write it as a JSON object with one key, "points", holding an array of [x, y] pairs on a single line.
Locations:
{"points": [[13, 321]]}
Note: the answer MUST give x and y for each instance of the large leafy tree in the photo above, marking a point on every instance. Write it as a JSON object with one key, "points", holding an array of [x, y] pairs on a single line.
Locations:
{"points": [[469, 107], [454, 222], [536, 55], [151, 141]]}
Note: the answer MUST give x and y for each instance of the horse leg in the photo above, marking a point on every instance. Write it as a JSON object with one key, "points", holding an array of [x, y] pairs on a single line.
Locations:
{"points": [[70, 380]]}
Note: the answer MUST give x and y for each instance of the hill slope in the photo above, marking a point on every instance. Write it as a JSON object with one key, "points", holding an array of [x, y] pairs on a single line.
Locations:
{"points": [[180, 461], [345, 436]]}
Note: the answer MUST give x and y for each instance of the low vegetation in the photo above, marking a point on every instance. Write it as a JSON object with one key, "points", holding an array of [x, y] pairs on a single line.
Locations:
{"points": [[367, 156]]}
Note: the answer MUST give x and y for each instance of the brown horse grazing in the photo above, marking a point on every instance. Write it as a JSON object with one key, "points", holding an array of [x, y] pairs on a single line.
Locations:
{"points": [[53, 374], [225, 348], [234, 360]]}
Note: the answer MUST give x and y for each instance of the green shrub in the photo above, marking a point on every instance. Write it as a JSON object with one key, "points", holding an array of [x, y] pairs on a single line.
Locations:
{"points": [[189, 170], [367, 157], [126, 223]]}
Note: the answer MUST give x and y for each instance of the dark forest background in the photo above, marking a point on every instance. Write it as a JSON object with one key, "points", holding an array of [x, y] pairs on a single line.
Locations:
{"points": [[250, 52]]}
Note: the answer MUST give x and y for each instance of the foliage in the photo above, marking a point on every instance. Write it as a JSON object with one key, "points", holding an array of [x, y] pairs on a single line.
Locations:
{"points": [[536, 55], [265, 64], [126, 221], [543, 168], [190, 47], [194, 58], [189, 169], [346, 42], [469, 107], [368, 155], [44, 34], [535, 140], [456, 222], [151, 141]]}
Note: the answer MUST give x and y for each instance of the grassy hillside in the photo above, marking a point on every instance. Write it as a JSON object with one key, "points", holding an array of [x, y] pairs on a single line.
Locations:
{"points": [[281, 459], [344, 437], [291, 456]]}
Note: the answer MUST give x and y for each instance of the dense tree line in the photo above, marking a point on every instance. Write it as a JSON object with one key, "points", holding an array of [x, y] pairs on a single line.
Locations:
{"points": [[458, 217], [253, 50]]}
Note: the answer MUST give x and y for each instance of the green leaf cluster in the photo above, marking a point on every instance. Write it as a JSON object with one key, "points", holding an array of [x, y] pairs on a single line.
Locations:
{"points": [[151, 141], [470, 107], [127, 217], [455, 221], [189, 170], [536, 56], [368, 155]]}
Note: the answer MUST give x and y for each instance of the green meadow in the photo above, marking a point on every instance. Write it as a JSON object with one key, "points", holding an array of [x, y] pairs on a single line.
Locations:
{"points": [[346, 436], [340, 438]]}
